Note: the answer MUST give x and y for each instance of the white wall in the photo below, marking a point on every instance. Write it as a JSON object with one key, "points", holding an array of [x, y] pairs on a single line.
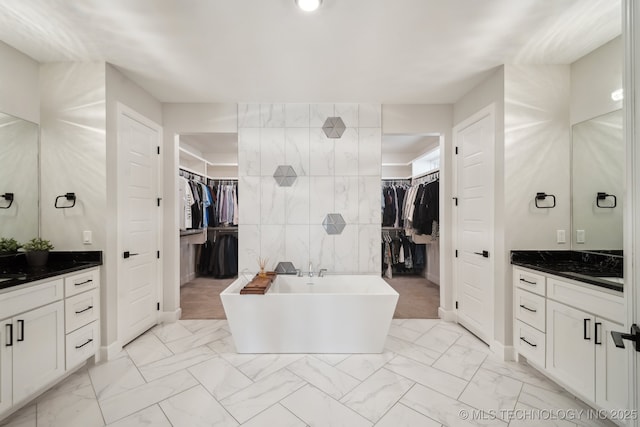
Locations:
{"points": [[334, 176], [73, 153], [537, 148], [593, 78], [19, 84]]}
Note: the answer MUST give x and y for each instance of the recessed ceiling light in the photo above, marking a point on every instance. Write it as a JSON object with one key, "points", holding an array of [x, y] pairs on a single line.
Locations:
{"points": [[308, 5]]}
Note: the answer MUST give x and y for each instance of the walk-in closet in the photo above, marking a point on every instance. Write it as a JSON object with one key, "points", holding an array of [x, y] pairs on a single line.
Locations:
{"points": [[208, 221], [410, 222]]}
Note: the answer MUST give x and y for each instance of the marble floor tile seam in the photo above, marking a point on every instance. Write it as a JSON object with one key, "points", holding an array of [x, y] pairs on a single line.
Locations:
{"points": [[416, 343], [397, 402], [266, 409], [552, 384], [104, 419], [433, 367], [328, 397]]}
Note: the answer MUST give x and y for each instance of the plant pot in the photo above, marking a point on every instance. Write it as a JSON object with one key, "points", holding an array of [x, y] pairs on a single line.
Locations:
{"points": [[37, 258]]}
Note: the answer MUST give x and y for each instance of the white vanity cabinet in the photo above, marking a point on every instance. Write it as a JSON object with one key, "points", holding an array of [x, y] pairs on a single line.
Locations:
{"points": [[575, 333], [32, 354], [530, 322], [44, 333]]}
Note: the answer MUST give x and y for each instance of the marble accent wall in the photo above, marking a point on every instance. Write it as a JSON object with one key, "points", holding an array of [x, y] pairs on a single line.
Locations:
{"points": [[334, 176]]}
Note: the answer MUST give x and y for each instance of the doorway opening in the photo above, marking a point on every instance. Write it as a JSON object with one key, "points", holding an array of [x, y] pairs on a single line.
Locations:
{"points": [[209, 208], [410, 218]]}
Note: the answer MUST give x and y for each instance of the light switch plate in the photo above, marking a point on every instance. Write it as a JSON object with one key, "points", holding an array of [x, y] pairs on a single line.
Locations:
{"points": [[580, 237], [561, 236], [87, 238]]}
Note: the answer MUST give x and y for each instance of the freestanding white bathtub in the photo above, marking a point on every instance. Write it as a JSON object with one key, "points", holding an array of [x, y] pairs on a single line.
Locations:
{"points": [[331, 314]]}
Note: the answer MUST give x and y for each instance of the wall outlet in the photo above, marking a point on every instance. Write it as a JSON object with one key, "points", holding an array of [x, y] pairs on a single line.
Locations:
{"points": [[87, 238], [580, 237], [561, 236]]}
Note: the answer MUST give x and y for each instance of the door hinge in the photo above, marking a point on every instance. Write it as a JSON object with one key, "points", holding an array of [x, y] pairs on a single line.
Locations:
{"points": [[456, 150], [158, 306], [455, 199], [456, 253], [456, 305], [158, 149], [158, 254], [158, 200]]}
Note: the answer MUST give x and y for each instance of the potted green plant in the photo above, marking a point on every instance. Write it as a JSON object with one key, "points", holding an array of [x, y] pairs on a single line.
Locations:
{"points": [[37, 251], [9, 246]]}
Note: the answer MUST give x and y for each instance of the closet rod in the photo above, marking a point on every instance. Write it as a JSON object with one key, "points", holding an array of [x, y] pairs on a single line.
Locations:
{"points": [[190, 174], [424, 177]]}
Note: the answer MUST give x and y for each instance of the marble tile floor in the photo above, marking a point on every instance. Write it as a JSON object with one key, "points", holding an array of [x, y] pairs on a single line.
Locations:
{"points": [[432, 373]]}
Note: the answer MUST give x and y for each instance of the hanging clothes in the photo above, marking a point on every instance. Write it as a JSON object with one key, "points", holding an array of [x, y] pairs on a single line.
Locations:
{"points": [[219, 257], [421, 205]]}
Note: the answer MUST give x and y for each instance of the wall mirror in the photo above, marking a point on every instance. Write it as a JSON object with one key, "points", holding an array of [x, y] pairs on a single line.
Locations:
{"points": [[598, 184], [19, 178]]}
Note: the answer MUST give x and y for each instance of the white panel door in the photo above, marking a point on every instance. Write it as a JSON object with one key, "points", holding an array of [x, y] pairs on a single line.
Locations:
{"points": [[38, 349], [474, 232], [138, 219]]}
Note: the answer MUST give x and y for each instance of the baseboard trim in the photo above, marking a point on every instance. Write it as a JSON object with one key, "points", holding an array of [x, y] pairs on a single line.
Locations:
{"points": [[109, 352], [447, 315], [170, 316], [506, 353], [433, 279]]}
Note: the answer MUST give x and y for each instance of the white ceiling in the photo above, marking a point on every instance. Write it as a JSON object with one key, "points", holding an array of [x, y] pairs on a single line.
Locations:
{"points": [[388, 51]]}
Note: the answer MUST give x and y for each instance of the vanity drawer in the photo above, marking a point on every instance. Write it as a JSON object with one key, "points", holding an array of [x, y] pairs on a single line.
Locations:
{"points": [[530, 343], [600, 303], [30, 297], [80, 282], [82, 344], [530, 308], [81, 309], [530, 281]]}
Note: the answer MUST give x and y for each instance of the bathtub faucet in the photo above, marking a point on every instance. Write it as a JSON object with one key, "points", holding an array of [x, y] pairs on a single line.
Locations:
{"points": [[322, 272]]}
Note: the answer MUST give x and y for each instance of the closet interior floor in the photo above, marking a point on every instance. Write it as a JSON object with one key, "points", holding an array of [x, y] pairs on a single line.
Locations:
{"points": [[200, 298], [419, 298]]}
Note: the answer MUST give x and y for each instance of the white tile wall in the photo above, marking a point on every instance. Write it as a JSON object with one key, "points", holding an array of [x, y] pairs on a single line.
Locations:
{"points": [[334, 176]]}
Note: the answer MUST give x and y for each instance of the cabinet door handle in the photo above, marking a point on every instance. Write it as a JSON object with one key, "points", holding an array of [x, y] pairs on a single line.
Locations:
{"points": [[525, 340], [528, 282], [21, 331], [595, 338], [82, 311], [586, 329], [84, 283], [82, 345], [10, 343], [529, 309]]}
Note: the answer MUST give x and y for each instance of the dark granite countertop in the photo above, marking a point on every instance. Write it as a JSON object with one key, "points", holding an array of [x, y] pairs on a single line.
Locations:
{"points": [[594, 268], [14, 270]]}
